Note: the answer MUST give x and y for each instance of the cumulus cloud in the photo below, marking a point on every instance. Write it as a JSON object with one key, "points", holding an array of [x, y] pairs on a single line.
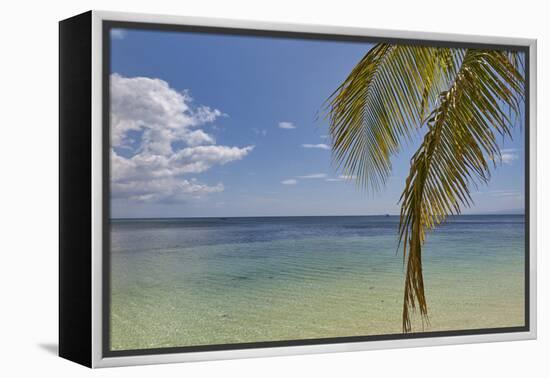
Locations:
{"points": [[286, 125], [170, 146], [162, 113], [289, 182], [321, 146], [163, 190], [145, 166]]}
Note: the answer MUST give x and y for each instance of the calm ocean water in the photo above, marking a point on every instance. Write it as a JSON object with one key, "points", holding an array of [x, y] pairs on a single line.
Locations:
{"points": [[182, 282]]}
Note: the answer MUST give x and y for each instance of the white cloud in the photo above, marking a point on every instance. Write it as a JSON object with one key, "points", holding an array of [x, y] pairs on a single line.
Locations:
{"points": [[342, 178], [286, 125], [347, 177], [162, 113], [319, 145], [293, 181], [289, 182], [171, 143], [313, 176], [118, 33], [509, 158], [199, 159], [190, 160], [509, 155], [164, 190]]}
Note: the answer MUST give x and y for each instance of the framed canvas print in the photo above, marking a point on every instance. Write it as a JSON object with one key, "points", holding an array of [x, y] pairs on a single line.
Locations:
{"points": [[237, 189]]}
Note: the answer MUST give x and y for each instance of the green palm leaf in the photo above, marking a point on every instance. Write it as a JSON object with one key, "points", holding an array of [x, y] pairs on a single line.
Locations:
{"points": [[382, 102], [470, 96], [457, 150]]}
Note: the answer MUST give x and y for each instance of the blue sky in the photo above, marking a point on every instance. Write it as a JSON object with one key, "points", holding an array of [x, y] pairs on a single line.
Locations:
{"points": [[212, 125]]}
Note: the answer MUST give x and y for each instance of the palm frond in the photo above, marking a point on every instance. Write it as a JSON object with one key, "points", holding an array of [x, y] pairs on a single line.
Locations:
{"points": [[380, 104], [456, 153]]}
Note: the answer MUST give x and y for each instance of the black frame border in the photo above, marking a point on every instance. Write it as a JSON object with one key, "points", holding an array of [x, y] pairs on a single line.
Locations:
{"points": [[75, 189], [108, 25]]}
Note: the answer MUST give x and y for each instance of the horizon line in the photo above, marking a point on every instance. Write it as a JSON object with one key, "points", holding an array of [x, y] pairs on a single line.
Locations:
{"points": [[307, 216]]}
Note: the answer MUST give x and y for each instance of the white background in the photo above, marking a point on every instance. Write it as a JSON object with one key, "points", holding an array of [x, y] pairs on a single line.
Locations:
{"points": [[28, 190]]}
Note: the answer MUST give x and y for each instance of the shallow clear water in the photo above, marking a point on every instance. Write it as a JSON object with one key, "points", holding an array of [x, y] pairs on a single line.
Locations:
{"points": [[183, 282]]}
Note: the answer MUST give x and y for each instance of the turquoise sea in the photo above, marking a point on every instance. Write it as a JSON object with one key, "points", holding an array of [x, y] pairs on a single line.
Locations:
{"points": [[199, 281]]}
